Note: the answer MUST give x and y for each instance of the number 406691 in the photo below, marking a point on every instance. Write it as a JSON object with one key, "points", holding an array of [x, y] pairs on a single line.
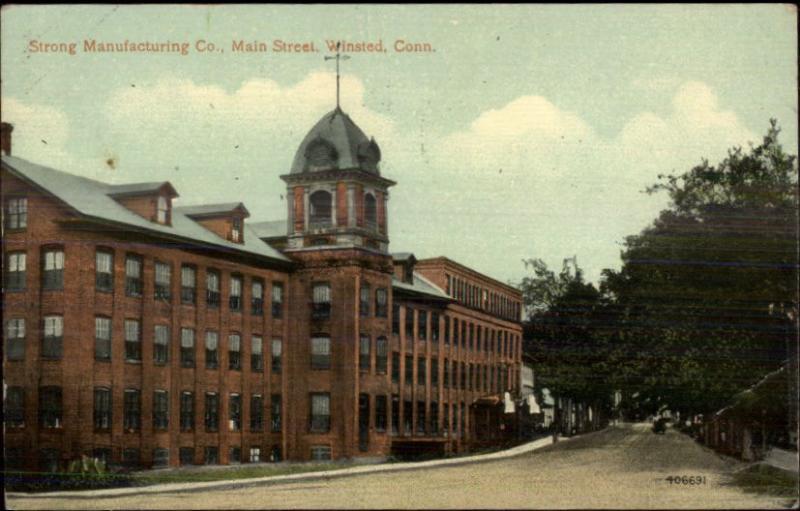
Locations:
{"points": [[687, 480]]}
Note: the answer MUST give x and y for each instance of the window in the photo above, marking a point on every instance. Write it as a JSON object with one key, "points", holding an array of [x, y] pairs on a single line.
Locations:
{"points": [[187, 347], [381, 302], [256, 413], [16, 271], [160, 457], [187, 411], [363, 303], [434, 429], [188, 285], [363, 353], [422, 325], [163, 282], [15, 336], [471, 336], [409, 323], [463, 385], [102, 454], [395, 413], [186, 455], [446, 419], [275, 453], [234, 455], [133, 344], [102, 338], [104, 271], [381, 355], [370, 211], [409, 369], [395, 367], [52, 342], [276, 355], [212, 349], [320, 212], [53, 274], [455, 332], [321, 453], [235, 298], [50, 407], [160, 409], [212, 288], [380, 413], [396, 319], [435, 327], [132, 410], [421, 417], [49, 460], [17, 213], [211, 455], [161, 344], [434, 372], [235, 352], [407, 417], [255, 454], [162, 209], [275, 413], [463, 415], [446, 382], [420, 371], [321, 301], [256, 354], [15, 459], [133, 275], [446, 331], [320, 352], [236, 230], [212, 411], [14, 408], [131, 458], [277, 300], [320, 413], [235, 412], [257, 298], [102, 408]]}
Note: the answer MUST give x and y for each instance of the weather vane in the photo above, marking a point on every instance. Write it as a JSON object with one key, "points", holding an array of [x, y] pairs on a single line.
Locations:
{"points": [[338, 57]]}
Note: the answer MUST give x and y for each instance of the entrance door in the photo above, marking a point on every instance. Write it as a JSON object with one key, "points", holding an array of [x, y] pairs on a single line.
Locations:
{"points": [[363, 422]]}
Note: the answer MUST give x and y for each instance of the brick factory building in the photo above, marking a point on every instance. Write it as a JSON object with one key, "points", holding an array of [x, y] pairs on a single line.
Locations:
{"points": [[151, 335]]}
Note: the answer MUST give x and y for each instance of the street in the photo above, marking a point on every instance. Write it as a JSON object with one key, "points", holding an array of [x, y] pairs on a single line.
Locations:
{"points": [[620, 467]]}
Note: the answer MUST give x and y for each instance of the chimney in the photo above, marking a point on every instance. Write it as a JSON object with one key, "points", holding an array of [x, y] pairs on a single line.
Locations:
{"points": [[5, 138]]}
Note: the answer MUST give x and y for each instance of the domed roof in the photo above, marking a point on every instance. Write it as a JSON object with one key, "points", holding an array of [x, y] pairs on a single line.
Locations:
{"points": [[335, 142]]}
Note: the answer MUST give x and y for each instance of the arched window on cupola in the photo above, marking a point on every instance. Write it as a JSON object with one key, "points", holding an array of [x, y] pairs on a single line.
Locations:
{"points": [[320, 155], [320, 213], [370, 211]]}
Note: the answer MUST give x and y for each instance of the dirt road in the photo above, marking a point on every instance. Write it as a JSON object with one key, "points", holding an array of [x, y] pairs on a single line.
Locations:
{"points": [[621, 467]]}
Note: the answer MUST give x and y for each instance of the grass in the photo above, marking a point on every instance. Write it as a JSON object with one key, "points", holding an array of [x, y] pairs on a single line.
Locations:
{"points": [[191, 475], [762, 478], [39, 482]]}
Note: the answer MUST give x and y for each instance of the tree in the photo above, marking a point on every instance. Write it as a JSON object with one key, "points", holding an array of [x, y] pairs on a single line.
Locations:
{"points": [[697, 291], [564, 335]]}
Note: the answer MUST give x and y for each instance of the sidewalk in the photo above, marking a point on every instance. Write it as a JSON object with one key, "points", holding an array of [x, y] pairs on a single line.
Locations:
{"points": [[310, 476], [783, 459]]}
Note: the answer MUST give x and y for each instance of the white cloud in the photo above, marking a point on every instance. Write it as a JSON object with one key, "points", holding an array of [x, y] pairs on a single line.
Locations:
{"points": [[524, 179], [529, 179]]}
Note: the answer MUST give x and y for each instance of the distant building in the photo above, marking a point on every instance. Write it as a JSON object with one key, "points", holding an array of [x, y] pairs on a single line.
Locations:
{"points": [[153, 335]]}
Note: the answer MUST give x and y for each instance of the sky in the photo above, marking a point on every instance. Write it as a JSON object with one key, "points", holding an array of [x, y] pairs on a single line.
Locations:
{"points": [[527, 131]]}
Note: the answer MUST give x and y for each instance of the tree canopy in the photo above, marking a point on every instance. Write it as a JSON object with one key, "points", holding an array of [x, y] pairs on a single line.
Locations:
{"points": [[698, 311]]}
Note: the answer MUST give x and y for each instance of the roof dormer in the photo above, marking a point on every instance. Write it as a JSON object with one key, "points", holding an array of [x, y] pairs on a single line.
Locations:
{"points": [[224, 220], [152, 201], [404, 263]]}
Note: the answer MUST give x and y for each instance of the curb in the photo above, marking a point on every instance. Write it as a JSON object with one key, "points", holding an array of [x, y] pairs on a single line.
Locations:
{"points": [[309, 476]]}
